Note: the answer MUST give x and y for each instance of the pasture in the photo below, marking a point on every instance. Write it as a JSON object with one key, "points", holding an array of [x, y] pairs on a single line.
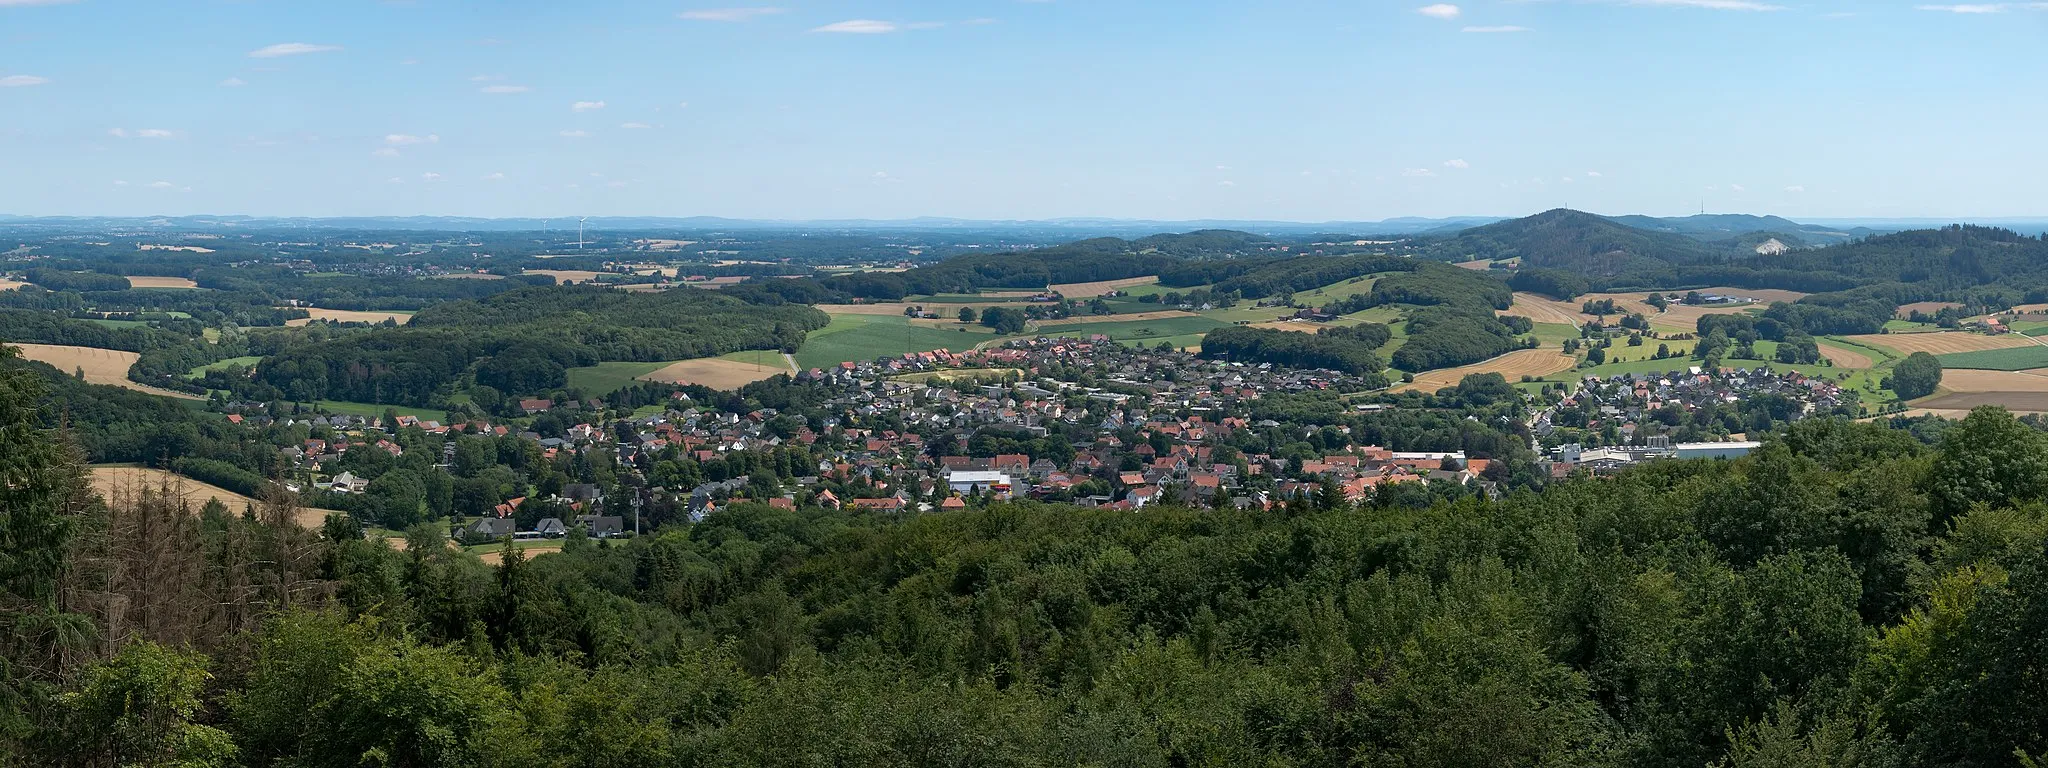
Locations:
{"points": [[116, 482], [248, 361], [1765, 295], [2013, 359], [851, 337], [1513, 366], [101, 366]]}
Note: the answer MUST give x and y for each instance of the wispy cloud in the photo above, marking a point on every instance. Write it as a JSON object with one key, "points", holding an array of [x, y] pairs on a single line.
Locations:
{"points": [[574, 134], [1984, 7], [503, 89], [1712, 5], [430, 176], [20, 3], [1458, 164], [1795, 189], [635, 126], [407, 140], [494, 177], [1418, 173], [586, 106], [1592, 174], [22, 81], [291, 49], [728, 14], [1439, 11], [385, 152], [140, 133], [1503, 29], [161, 185], [859, 27], [1737, 188], [233, 82]]}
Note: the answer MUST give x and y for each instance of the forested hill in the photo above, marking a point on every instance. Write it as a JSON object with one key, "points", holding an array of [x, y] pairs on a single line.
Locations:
{"points": [[1085, 261], [1576, 241]]}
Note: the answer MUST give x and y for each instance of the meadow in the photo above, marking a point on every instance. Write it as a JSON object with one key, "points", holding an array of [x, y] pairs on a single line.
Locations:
{"points": [[2012, 359]]}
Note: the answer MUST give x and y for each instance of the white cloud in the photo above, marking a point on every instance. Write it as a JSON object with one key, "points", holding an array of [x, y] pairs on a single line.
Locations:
{"points": [[635, 126], [407, 140], [1439, 11], [233, 82], [1458, 164], [1567, 179], [1592, 174], [19, 3], [290, 49], [120, 183], [1502, 29], [1226, 183], [430, 176], [728, 14], [1968, 8], [395, 180], [494, 177], [576, 134], [503, 89], [1712, 5], [586, 106], [119, 133], [684, 105], [1418, 173], [1795, 189], [143, 133], [616, 185], [22, 81], [161, 185], [385, 152], [486, 78], [859, 27], [1737, 188]]}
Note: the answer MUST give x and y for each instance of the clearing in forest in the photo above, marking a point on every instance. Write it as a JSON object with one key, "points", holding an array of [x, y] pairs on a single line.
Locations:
{"points": [[102, 366], [121, 482], [350, 316]]}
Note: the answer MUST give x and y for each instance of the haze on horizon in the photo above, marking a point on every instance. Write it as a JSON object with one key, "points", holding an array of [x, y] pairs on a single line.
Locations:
{"points": [[1005, 109]]}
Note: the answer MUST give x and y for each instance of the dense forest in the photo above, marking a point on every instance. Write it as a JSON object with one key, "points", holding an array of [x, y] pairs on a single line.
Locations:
{"points": [[1346, 350], [1849, 596]]}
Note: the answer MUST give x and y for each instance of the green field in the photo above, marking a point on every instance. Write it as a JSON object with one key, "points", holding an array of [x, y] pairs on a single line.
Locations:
{"points": [[249, 361], [1150, 331], [372, 410], [604, 378], [866, 337], [2014, 359]]}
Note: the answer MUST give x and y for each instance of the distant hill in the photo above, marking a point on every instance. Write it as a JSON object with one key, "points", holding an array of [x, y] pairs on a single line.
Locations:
{"points": [[1733, 226], [1575, 241]]}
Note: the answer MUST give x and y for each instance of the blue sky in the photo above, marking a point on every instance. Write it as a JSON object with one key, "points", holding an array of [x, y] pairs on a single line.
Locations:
{"points": [[1292, 109]]}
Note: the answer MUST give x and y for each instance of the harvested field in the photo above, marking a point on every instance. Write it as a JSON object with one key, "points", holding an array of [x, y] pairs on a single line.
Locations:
{"points": [[566, 276], [1092, 290], [665, 245], [1765, 295], [102, 366], [1513, 365], [1687, 318], [1165, 314], [1939, 343], [1545, 310], [350, 316], [715, 373], [118, 482], [717, 282], [1480, 265], [1923, 307], [1970, 381], [1844, 357], [864, 309], [185, 248], [1291, 326], [644, 287], [145, 281], [8, 285], [472, 276]]}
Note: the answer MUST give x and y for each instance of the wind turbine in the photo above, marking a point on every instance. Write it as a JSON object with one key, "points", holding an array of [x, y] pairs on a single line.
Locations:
{"points": [[579, 231]]}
